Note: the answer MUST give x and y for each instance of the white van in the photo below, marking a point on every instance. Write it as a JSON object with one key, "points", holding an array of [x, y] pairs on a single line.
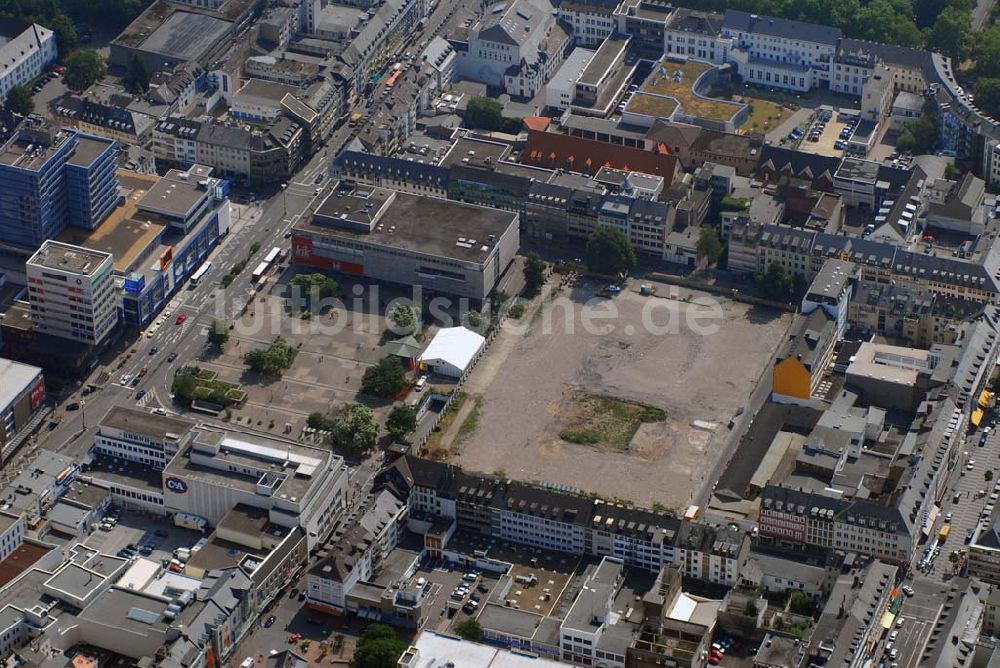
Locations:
{"points": [[421, 384]]}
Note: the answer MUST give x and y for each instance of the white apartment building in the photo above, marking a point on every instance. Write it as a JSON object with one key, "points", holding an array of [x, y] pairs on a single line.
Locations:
{"points": [[780, 53], [516, 46], [72, 292], [138, 436], [357, 554], [644, 222], [11, 533], [528, 519], [26, 49], [590, 616], [695, 34], [591, 22], [561, 88]]}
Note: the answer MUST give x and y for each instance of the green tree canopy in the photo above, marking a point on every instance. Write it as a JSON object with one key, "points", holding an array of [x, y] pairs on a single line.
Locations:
{"points": [[19, 100], [775, 283], [184, 385], [356, 428], [918, 136], [378, 647], [316, 284], [534, 274], [218, 334], [273, 360], [886, 21], [609, 252], [800, 603], [385, 379], [137, 75], [83, 69], [986, 52], [113, 14], [401, 421], [987, 94], [405, 318], [66, 37], [469, 629], [709, 247], [951, 33], [484, 113]]}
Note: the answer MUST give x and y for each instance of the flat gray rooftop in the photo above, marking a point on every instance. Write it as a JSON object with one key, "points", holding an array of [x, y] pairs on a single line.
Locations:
{"points": [[852, 168], [144, 423], [430, 225], [611, 50], [271, 90], [15, 378], [119, 608], [127, 474], [186, 36], [173, 196], [465, 151], [74, 580], [73, 259], [88, 149], [508, 621]]}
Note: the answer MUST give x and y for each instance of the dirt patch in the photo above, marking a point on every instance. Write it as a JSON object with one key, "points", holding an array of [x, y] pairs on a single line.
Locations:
{"points": [[531, 377], [764, 115], [605, 422]]}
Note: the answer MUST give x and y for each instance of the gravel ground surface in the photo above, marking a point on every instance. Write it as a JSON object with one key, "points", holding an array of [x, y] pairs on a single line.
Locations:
{"points": [[528, 379]]}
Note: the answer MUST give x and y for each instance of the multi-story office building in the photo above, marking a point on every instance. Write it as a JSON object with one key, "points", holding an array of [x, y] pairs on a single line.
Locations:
{"points": [[445, 247], [698, 35], [804, 252], [297, 485], [142, 437], [159, 236], [645, 21], [22, 393], [72, 292], [27, 49], [780, 53], [889, 529], [51, 177], [591, 21], [91, 181]]}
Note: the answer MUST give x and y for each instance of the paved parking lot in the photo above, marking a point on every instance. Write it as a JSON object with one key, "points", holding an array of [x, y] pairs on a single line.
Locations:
{"points": [[825, 144], [919, 614], [442, 582], [140, 529]]}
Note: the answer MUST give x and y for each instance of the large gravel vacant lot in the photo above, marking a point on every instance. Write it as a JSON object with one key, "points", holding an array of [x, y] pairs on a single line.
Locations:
{"points": [[528, 382]]}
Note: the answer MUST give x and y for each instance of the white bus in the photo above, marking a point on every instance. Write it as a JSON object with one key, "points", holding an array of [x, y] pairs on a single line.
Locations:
{"points": [[260, 272], [272, 256], [200, 273]]}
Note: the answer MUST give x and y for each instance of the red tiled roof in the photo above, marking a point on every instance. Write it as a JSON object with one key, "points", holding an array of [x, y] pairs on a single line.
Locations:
{"points": [[555, 151], [540, 123]]}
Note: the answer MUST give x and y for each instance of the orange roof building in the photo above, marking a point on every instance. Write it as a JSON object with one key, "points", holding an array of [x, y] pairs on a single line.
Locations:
{"points": [[559, 151]]}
